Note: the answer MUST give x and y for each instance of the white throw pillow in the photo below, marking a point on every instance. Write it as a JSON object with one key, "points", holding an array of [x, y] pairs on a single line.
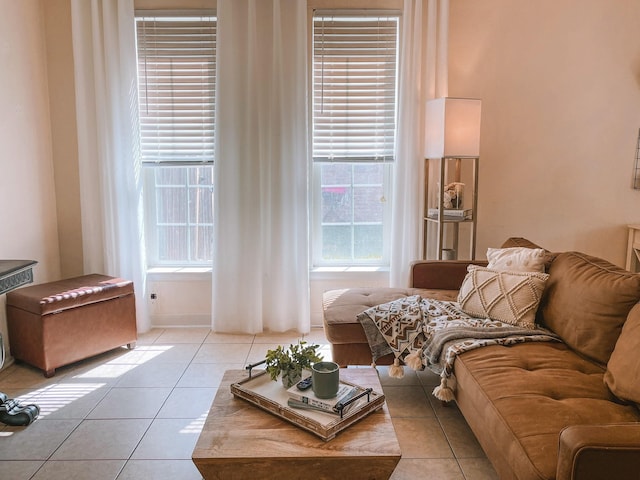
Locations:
{"points": [[516, 259]]}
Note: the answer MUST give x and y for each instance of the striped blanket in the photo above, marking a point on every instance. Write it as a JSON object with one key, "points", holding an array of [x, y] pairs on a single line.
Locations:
{"points": [[422, 332]]}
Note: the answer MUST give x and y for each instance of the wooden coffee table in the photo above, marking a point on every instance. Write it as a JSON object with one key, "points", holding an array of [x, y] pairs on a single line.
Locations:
{"points": [[240, 440]]}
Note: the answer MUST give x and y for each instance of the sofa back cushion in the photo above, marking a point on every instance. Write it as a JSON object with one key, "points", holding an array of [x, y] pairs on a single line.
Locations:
{"points": [[623, 370], [586, 302]]}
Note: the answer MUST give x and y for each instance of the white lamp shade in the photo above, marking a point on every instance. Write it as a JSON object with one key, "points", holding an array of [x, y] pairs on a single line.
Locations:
{"points": [[452, 128]]}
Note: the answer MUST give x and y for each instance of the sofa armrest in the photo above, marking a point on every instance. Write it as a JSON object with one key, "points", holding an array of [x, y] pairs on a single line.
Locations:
{"points": [[440, 274], [590, 452]]}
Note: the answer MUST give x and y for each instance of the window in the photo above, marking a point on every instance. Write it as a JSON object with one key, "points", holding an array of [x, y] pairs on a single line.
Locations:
{"points": [[176, 93], [354, 124]]}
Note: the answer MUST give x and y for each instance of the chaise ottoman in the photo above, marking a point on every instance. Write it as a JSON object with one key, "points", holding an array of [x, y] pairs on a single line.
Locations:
{"points": [[58, 323]]}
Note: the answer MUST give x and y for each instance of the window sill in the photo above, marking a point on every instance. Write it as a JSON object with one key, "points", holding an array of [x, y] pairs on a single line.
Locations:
{"points": [[345, 273], [159, 274], [358, 269], [316, 273], [153, 270]]}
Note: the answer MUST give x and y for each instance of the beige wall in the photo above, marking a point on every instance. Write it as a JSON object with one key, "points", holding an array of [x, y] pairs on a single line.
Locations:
{"points": [[560, 84], [57, 15], [27, 196]]}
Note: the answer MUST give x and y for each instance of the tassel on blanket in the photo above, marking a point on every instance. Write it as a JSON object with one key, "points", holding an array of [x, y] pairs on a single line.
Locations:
{"points": [[396, 370], [443, 391], [413, 360]]}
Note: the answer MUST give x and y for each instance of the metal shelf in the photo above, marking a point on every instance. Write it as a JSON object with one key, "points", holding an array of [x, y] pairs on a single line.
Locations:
{"points": [[447, 229]]}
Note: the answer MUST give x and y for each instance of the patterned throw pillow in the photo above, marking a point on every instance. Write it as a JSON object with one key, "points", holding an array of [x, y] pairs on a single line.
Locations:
{"points": [[509, 297], [516, 259]]}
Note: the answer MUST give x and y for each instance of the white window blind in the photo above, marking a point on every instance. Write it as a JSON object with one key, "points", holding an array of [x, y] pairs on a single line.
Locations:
{"points": [[355, 62], [176, 74]]}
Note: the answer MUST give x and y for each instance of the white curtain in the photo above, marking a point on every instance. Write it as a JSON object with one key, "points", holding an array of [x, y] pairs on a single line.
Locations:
{"points": [[422, 75], [261, 266], [109, 164]]}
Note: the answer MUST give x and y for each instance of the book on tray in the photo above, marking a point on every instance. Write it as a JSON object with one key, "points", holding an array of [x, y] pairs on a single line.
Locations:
{"points": [[307, 400]]}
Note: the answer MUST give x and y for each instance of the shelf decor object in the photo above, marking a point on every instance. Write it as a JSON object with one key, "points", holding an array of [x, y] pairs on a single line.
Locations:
{"points": [[452, 141]]}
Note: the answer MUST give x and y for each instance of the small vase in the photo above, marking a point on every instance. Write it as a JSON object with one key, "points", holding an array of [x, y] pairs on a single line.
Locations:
{"points": [[291, 377]]}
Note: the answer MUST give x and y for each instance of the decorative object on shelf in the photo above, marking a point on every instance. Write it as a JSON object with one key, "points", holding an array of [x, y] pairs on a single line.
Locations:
{"points": [[452, 135], [288, 363], [453, 196], [636, 169]]}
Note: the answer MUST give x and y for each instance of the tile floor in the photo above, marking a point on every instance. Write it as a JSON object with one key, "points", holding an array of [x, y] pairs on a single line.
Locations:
{"points": [[137, 414]]}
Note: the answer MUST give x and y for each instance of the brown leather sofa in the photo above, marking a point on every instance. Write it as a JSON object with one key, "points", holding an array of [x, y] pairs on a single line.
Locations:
{"points": [[548, 410]]}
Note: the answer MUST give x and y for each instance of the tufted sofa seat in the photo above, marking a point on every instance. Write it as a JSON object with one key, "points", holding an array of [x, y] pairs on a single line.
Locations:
{"points": [[519, 398]]}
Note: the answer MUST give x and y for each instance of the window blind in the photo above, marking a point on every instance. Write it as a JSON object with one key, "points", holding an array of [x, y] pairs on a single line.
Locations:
{"points": [[355, 63], [176, 89]]}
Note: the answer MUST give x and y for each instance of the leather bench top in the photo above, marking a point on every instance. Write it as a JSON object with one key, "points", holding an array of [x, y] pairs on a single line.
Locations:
{"points": [[69, 293], [341, 308]]}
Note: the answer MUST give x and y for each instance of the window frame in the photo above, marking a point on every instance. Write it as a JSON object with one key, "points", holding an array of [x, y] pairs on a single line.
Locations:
{"points": [[150, 168], [316, 248], [316, 229]]}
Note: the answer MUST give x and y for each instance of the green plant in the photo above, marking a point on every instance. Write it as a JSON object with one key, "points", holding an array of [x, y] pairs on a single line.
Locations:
{"points": [[291, 360]]}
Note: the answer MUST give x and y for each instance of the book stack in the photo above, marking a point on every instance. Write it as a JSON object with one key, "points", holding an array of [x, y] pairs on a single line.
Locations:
{"points": [[457, 213], [305, 399]]}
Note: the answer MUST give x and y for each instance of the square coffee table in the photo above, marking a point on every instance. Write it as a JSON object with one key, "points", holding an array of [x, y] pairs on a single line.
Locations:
{"points": [[240, 440]]}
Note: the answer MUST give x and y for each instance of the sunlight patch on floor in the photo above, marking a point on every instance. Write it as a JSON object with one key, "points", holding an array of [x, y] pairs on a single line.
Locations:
{"points": [[127, 362], [195, 426], [52, 398]]}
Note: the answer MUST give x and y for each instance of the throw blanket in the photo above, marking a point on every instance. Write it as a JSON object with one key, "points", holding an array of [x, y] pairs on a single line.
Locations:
{"points": [[422, 332]]}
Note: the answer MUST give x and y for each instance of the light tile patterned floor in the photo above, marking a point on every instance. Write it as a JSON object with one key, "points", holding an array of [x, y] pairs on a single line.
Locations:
{"points": [[137, 414]]}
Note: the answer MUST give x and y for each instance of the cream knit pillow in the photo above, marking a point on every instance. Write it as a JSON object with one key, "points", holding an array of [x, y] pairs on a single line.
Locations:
{"points": [[509, 297]]}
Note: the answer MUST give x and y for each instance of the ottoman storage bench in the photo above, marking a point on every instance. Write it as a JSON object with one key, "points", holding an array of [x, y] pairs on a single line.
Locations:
{"points": [[58, 323]]}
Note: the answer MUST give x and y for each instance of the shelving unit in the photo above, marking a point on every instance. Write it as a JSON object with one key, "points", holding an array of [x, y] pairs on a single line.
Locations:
{"points": [[633, 248], [444, 230]]}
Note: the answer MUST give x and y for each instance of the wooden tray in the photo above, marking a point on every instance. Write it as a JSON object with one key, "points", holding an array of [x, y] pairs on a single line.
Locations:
{"points": [[259, 389]]}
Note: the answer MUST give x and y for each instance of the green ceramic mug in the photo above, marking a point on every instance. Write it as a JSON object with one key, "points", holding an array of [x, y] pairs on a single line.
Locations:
{"points": [[326, 379]]}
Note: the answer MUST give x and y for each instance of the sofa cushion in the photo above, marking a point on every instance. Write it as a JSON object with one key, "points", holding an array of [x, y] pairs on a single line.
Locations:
{"points": [[587, 301], [342, 307], [517, 399], [623, 370], [516, 259], [509, 297]]}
